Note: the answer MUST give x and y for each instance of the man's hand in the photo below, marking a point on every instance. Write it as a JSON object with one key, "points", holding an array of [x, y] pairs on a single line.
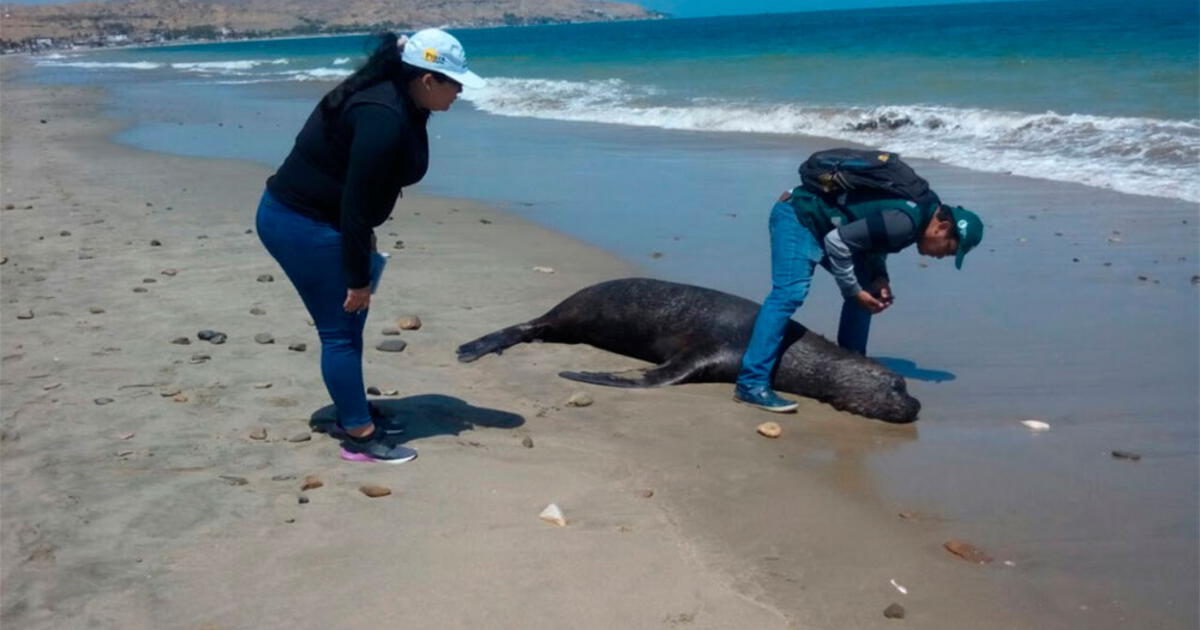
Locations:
{"points": [[884, 290], [357, 300], [868, 301]]}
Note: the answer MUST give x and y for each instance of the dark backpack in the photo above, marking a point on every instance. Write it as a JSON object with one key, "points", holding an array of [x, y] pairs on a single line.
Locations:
{"points": [[850, 175]]}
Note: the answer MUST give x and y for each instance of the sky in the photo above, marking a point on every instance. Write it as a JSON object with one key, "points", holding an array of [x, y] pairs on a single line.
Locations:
{"points": [[699, 8]]}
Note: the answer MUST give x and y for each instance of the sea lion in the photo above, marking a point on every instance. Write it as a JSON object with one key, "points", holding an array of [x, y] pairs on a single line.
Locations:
{"points": [[698, 335]]}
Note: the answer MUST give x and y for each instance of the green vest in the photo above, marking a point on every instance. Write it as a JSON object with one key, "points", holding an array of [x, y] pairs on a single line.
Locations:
{"points": [[820, 216]]}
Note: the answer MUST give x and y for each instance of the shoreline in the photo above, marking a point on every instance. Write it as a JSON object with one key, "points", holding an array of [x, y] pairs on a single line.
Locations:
{"points": [[712, 526]]}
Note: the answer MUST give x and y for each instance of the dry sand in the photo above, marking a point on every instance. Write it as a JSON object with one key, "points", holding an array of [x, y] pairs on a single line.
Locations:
{"points": [[133, 514]]}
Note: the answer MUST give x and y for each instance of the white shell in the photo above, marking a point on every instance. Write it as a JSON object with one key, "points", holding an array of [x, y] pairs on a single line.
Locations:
{"points": [[552, 514], [544, 269], [900, 588], [1036, 425]]}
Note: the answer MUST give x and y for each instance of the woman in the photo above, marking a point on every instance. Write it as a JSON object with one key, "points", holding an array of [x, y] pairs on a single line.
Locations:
{"points": [[363, 142]]}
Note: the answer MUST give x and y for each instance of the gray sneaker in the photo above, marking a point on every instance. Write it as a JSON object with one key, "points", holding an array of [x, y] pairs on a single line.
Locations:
{"points": [[377, 449]]}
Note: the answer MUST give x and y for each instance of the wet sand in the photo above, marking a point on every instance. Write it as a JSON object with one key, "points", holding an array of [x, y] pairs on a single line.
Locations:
{"points": [[101, 528]]}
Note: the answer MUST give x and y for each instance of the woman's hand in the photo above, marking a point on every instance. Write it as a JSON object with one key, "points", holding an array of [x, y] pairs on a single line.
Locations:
{"points": [[868, 301], [357, 300]]}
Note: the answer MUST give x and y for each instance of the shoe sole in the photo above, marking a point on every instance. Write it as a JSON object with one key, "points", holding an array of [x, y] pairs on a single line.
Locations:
{"points": [[359, 457], [784, 409]]}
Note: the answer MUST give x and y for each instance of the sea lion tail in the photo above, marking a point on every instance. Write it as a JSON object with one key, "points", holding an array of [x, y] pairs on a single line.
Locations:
{"points": [[499, 341]]}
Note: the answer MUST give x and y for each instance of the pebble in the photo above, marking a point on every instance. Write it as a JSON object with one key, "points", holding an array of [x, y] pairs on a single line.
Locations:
{"points": [[374, 391], [301, 437], [656, 255], [51, 386], [264, 338], [140, 290], [266, 277], [485, 221], [409, 322], [1196, 279], [102, 401], [155, 243], [1126, 455], [169, 272], [259, 434], [302, 500], [26, 314], [168, 391], [311, 482], [149, 280], [392, 345], [180, 398], [3, 259], [181, 341], [235, 481], [375, 491], [391, 392], [262, 385], [64, 233], [199, 357], [544, 269], [257, 311], [770, 429], [527, 442], [894, 611], [95, 310], [967, 551], [390, 332], [283, 477], [398, 245], [1143, 278], [218, 339], [206, 334], [646, 494], [579, 399], [298, 347]]}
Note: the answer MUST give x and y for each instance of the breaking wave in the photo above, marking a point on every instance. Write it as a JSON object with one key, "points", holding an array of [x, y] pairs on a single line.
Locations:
{"points": [[1133, 155]]}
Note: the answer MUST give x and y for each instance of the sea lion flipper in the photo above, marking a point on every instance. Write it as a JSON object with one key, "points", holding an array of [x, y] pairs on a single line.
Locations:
{"points": [[677, 370], [500, 340]]}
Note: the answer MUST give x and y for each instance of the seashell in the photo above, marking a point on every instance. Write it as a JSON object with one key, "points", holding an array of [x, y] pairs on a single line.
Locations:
{"points": [[1036, 425], [770, 429], [553, 515]]}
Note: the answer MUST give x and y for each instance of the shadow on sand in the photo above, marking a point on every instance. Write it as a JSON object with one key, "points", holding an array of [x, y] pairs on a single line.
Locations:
{"points": [[426, 415]]}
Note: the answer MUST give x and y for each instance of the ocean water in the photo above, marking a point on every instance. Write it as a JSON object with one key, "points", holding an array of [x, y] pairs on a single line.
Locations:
{"points": [[1099, 93]]}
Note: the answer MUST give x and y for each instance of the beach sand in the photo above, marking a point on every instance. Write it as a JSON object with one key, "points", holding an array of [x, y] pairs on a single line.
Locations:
{"points": [[156, 512]]}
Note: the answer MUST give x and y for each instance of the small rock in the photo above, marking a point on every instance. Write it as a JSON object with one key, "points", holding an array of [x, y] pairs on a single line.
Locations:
{"points": [[398, 245], [181, 341], [206, 334], [967, 551], [540, 269], [289, 520], [264, 338], [527, 442], [235, 481], [169, 272], [1143, 278], [1126, 455], [95, 310], [302, 500], [283, 477], [646, 494], [102, 401], [894, 611], [257, 311], [180, 398], [1074, 260], [25, 314], [656, 255], [263, 385], [266, 277], [64, 233], [301, 437], [3, 259], [126, 436], [770, 429], [298, 347], [149, 280], [553, 514], [392, 345], [311, 482], [1036, 425], [579, 399], [259, 434], [485, 221], [375, 491], [167, 391], [51, 386], [409, 322], [9, 206], [390, 332], [140, 290], [199, 357], [155, 243], [1196, 279], [374, 391]]}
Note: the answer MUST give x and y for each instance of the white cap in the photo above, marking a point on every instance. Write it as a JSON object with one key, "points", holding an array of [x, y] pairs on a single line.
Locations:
{"points": [[436, 50]]}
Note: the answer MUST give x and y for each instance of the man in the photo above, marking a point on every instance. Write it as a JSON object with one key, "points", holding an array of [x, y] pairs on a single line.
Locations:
{"points": [[850, 235]]}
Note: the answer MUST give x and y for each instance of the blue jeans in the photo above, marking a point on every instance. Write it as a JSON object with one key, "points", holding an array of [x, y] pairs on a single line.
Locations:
{"points": [[310, 253], [795, 253]]}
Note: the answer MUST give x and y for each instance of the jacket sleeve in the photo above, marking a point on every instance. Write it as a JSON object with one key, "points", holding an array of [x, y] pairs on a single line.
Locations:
{"points": [[868, 240], [371, 185]]}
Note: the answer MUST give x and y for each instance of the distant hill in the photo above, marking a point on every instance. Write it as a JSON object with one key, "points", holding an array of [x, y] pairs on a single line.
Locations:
{"points": [[148, 20]]}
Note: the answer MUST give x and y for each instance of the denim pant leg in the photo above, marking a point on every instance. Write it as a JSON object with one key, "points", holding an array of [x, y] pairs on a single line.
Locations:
{"points": [[310, 253], [794, 254], [855, 322]]}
